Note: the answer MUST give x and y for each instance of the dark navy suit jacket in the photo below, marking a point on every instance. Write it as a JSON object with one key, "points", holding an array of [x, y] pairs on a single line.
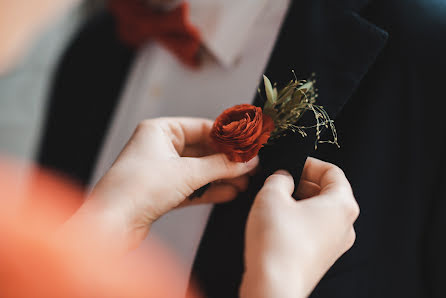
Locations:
{"points": [[380, 67]]}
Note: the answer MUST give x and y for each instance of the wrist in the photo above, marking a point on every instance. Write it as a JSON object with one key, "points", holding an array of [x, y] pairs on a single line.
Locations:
{"points": [[270, 282], [104, 226]]}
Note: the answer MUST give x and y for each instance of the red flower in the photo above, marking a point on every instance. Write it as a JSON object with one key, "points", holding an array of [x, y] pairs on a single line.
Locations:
{"points": [[240, 132]]}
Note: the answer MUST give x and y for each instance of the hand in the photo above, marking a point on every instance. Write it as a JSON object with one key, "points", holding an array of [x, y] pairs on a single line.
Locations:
{"points": [[291, 244], [164, 162]]}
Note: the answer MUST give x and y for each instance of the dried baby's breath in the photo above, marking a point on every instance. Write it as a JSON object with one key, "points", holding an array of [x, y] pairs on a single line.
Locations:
{"points": [[287, 106]]}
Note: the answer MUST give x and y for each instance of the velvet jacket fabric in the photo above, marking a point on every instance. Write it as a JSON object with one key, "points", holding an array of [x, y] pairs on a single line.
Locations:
{"points": [[380, 68]]}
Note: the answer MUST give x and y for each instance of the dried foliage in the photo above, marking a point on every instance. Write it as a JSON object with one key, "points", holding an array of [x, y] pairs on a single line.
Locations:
{"points": [[287, 106]]}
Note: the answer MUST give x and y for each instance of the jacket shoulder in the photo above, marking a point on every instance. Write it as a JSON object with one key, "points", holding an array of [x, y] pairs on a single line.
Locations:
{"points": [[417, 26]]}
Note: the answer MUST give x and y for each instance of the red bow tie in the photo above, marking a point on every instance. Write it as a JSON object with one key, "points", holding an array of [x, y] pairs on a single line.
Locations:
{"points": [[138, 23]]}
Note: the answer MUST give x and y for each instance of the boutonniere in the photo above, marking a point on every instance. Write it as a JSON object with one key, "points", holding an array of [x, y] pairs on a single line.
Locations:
{"points": [[241, 131]]}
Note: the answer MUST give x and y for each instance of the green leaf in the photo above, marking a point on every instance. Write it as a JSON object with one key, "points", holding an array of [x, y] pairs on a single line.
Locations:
{"points": [[269, 91], [275, 94], [307, 86], [286, 96], [286, 90]]}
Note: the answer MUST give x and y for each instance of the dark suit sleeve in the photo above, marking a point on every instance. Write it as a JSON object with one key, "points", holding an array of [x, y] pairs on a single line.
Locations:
{"points": [[85, 91]]}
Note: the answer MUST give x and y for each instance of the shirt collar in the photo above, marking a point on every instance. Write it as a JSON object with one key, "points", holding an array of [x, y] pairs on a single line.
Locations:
{"points": [[225, 25]]}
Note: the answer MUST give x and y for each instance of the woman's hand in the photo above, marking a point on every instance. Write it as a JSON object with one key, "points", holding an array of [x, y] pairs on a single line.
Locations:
{"points": [[291, 244], [164, 162]]}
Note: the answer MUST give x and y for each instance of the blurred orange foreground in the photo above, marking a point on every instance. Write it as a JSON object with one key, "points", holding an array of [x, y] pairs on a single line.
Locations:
{"points": [[34, 264]]}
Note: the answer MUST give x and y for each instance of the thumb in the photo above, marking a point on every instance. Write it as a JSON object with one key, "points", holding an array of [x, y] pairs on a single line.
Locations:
{"points": [[277, 186], [215, 167]]}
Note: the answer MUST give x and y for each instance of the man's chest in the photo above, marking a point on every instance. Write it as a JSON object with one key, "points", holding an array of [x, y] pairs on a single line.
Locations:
{"points": [[160, 86]]}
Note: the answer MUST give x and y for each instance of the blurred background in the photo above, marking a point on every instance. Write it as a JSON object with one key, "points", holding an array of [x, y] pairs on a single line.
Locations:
{"points": [[23, 92]]}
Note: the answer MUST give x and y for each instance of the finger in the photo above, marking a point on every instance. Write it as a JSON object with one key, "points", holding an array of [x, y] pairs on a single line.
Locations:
{"points": [[186, 131], [350, 239], [196, 150], [239, 183], [307, 189], [314, 169], [204, 170], [335, 188], [326, 175], [280, 181], [216, 194]]}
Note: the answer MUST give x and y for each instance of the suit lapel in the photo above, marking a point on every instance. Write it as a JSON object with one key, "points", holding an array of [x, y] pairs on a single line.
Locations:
{"points": [[331, 40], [335, 42]]}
